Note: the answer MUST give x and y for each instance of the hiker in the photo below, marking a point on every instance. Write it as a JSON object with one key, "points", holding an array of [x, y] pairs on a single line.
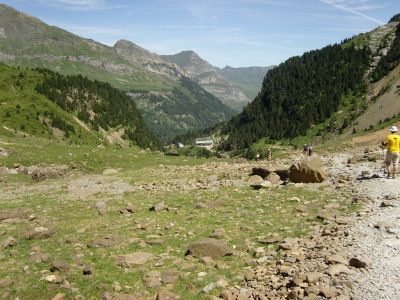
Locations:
{"points": [[393, 148], [269, 154], [257, 156], [307, 149]]}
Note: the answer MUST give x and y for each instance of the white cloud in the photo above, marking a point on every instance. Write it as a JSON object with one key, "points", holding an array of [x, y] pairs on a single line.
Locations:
{"points": [[355, 7], [80, 4]]}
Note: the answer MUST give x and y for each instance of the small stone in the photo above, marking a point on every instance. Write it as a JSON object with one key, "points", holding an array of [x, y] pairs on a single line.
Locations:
{"points": [[159, 207], [8, 242], [207, 260], [153, 279], [38, 233], [170, 276], [116, 286], [101, 207], [209, 287], [248, 275], [218, 233], [259, 252], [388, 203], [200, 205], [222, 283], [59, 296], [209, 247], [336, 259], [87, 270], [59, 265], [313, 277], [337, 269], [134, 260], [6, 282], [53, 279], [329, 292], [165, 294], [359, 263]]}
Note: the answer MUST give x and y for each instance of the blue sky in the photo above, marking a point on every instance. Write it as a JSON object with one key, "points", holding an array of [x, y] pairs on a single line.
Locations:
{"points": [[237, 33]]}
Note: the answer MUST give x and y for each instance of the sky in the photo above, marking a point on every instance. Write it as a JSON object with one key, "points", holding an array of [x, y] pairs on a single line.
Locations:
{"points": [[236, 33]]}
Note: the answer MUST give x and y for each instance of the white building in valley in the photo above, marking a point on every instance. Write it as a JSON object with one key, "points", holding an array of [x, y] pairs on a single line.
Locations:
{"points": [[205, 142]]}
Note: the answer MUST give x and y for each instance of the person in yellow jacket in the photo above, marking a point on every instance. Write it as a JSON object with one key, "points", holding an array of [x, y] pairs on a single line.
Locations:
{"points": [[393, 149]]}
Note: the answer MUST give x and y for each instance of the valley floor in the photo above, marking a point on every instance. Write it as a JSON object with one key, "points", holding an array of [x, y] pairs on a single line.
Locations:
{"points": [[119, 222]]}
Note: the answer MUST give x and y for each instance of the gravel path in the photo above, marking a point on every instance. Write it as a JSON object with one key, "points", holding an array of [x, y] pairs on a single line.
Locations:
{"points": [[380, 245]]}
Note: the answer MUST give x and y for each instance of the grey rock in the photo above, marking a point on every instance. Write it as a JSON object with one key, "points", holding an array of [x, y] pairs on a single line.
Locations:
{"points": [[159, 207], [101, 207], [134, 260], [209, 247], [8, 242]]}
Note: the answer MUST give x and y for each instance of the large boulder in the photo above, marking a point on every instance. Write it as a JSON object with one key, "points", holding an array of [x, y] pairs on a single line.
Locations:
{"points": [[307, 171], [264, 173], [209, 247]]}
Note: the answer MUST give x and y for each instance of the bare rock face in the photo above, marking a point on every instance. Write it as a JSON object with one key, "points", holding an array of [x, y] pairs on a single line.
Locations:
{"points": [[307, 171], [209, 247]]}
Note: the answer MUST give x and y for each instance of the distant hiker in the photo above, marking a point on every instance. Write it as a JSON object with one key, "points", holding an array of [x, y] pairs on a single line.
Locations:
{"points": [[269, 154], [393, 148], [257, 156], [307, 149]]}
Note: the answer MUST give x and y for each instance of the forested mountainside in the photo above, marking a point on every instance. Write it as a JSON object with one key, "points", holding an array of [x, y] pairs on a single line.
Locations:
{"points": [[304, 90], [70, 108], [236, 87], [307, 90], [26, 41]]}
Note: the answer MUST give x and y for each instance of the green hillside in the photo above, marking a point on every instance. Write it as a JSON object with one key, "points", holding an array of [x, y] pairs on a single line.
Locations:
{"points": [[72, 109]]}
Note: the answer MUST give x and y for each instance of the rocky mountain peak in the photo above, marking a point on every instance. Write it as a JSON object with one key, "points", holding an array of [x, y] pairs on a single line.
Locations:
{"points": [[149, 60]]}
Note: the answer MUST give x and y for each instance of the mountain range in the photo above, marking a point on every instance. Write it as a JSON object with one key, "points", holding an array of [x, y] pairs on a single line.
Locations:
{"points": [[236, 87], [171, 99]]}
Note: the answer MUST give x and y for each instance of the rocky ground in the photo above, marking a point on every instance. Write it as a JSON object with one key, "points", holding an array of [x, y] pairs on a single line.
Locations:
{"points": [[353, 257], [208, 231]]}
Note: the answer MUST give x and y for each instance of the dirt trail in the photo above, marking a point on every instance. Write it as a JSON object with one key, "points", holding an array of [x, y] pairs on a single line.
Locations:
{"points": [[377, 237]]}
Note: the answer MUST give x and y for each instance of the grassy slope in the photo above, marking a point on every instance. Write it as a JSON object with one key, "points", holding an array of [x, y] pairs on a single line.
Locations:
{"points": [[384, 106], [20, 105]]}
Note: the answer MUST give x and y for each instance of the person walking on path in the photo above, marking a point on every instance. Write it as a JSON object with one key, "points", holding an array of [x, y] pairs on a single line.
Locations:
{"points": [[269, 154], [393, 149], [307, 149]]}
